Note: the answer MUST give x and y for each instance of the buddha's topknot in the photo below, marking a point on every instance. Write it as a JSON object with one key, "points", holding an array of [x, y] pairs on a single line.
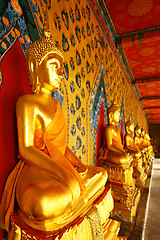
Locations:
{"points": [[113, 108], [42, 47]]}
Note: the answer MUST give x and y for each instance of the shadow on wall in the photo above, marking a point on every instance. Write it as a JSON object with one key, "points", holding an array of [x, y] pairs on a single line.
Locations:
{"points": [[157, 155], [154, 131]]}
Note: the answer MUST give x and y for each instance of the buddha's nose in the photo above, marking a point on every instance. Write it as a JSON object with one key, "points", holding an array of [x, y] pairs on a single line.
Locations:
{"points": [[60, 76], [61, 73]]}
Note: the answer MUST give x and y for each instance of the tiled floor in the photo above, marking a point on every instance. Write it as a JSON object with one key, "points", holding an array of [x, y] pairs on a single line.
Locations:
{"points": [[152, 227]]}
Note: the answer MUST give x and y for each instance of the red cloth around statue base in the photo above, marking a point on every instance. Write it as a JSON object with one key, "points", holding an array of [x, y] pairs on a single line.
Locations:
{"points": [[14, 84]]}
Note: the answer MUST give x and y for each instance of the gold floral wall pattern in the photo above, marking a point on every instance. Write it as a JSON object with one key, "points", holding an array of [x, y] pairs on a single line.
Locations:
{"points": [[77, 32]]}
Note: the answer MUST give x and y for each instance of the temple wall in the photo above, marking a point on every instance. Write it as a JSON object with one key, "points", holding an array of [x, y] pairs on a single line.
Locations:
{"points": [[93, 75], [93, 69]]}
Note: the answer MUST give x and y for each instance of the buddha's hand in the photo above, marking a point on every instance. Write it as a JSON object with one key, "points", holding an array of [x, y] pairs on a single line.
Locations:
{"points": [[81, 168], [82, 187]]}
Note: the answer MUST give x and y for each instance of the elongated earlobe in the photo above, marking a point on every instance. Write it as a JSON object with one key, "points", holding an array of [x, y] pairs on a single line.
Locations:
{"points": [[32, 74], [110, 116]]}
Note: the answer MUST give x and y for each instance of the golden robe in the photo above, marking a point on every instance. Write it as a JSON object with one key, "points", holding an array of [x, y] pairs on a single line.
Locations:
{"points": [[52, 141]]}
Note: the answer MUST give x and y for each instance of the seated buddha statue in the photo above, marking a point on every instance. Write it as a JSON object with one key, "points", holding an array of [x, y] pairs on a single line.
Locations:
{"points": [[118, 164], [147, 139], [143, 138], [133, 149], [114, 152], [146, 146], [50, 187], [130, 145], [139, 140], [137, 137], [149, 146]]}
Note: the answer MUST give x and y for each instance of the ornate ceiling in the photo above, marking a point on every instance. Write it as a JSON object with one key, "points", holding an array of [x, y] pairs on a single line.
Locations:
{"points": [[136, 27]]}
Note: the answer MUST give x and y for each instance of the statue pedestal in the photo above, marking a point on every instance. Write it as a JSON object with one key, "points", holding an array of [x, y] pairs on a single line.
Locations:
{"points": [[144, 161], [150, 158], [125, 201], [139, 172], [126, 196], [147, 159], [95, 224]]}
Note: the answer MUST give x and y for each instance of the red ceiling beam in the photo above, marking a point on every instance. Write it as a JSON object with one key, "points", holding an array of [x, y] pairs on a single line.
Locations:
{"points": [[153, 118], [149, 98], [156, 107], [138, 37], [139, 32], [145, 80], [153, 114], [154, 122]]}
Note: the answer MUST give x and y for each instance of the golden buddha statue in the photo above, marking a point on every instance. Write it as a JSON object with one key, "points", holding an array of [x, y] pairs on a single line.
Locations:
{"points": [[147, 139], [50, 187], [137, 137], [147, 151], [133, 149], [114, 152], [130, 145], [149, 147], [118, 163], [143, 139], [139, 140]]}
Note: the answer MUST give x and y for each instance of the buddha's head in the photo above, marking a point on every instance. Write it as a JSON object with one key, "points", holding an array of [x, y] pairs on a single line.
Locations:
{"points": [[129, 126], [137, 131], [113, 113], [147, 137], [143, 133], [45, 63]]}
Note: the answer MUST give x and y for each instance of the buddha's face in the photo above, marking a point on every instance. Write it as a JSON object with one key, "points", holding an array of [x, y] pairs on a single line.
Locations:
{"points": [[50, 72], [116, 116], [148, 137], [137, 131], [131, 127], [143, 133]]}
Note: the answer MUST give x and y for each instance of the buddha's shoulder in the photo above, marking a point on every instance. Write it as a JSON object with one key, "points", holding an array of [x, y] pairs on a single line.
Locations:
{"points": [[28, 100], [111, 127], [128, 135]]}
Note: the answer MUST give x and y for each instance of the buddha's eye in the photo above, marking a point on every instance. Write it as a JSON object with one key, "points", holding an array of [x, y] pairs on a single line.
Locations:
{"points": [[55, 65]]}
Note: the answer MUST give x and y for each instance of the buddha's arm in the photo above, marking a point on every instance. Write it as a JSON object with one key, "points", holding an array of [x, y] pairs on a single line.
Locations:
{"points": [[109, 138], [74, 160], [131, 146], [137, 142], [31, 154], [143, 143], [136, 147]]}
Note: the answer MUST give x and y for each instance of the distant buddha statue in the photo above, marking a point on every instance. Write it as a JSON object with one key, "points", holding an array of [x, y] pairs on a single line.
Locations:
{"points": [[147, 150], [118, 163], [147, 139], [137, 137], [144, 141], [149, 146], [50, 187], [140, 142], [130, 145], [133, 149], [114, 152]]}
